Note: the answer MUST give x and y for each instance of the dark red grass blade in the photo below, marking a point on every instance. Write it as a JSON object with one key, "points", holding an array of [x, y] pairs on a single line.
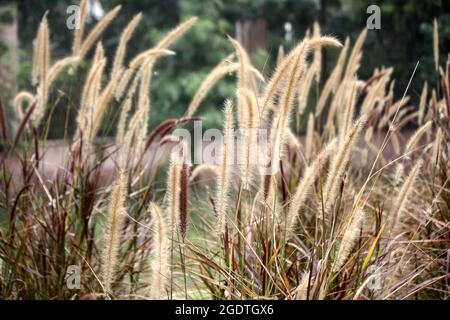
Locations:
{"points": [[184, 190], [165, 127], [3, 127]]}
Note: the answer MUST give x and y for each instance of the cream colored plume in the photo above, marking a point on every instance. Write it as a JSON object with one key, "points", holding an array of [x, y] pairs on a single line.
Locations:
{"points": [[159, 255], [224, 174]]}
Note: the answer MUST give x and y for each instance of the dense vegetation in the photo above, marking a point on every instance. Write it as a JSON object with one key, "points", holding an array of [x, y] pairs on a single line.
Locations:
{"points": [[358, 209]]}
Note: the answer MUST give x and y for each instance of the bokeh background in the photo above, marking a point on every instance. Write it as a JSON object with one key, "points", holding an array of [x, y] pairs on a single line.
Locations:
{"points": [[263, 25]]}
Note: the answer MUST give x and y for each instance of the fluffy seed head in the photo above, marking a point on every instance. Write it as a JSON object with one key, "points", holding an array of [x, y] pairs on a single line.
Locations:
{"points": [[160, 254]]}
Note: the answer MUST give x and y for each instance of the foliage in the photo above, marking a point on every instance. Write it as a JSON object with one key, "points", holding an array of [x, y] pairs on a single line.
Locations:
{"points": [[312, 219]]}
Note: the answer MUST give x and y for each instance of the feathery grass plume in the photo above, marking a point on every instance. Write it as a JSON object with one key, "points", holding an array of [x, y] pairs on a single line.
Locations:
{"points": [[405, 119], [280, 55], [242, 85], [134, 142], [347, 117], [436, 43], [412, 142], [125, 111], [48, 78], [250, 127], [144, 89], [274, 155], [103, 101], [333, 81], [121, 49], [275, 83], [19, 99], [143, 57], [99, 53], [338, 164], [309, 137], [116, 213], [280, 77], [173, 189], [41, 64], [433, 104], [277, 143], [97, 31], [92, 87], [349, 238], [338, 101], [60, 65], [372, 91], [356, 55], [422, 103], [79, 30], [384, 121], [343, 97], [123, 83], [144, 102], [376, 91], [221, 70], [39, 56], [376, 76], [204, 168], [176, 33], [405, 113], [403, 195], [308, 33], [317, 61], [309, 176], [89, 97], [282, 120], [160, 254], [146, 60], [149, 62], [398, 175], [45, 50], [99, 109], [126, 106], [437, 147], [224, 176], [352, 68], [302, 289], [184, 193], [134, 65]]}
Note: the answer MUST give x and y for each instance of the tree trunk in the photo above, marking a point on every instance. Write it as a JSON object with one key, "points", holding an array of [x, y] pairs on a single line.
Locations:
{"points": [[252, 34]]}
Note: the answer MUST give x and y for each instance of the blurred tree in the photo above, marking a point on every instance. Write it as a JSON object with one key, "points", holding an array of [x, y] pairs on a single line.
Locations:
{"points": [[405, 37]]}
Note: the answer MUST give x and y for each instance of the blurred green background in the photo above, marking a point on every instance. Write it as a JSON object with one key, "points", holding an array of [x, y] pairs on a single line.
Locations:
{"points": [[405, 37]]}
